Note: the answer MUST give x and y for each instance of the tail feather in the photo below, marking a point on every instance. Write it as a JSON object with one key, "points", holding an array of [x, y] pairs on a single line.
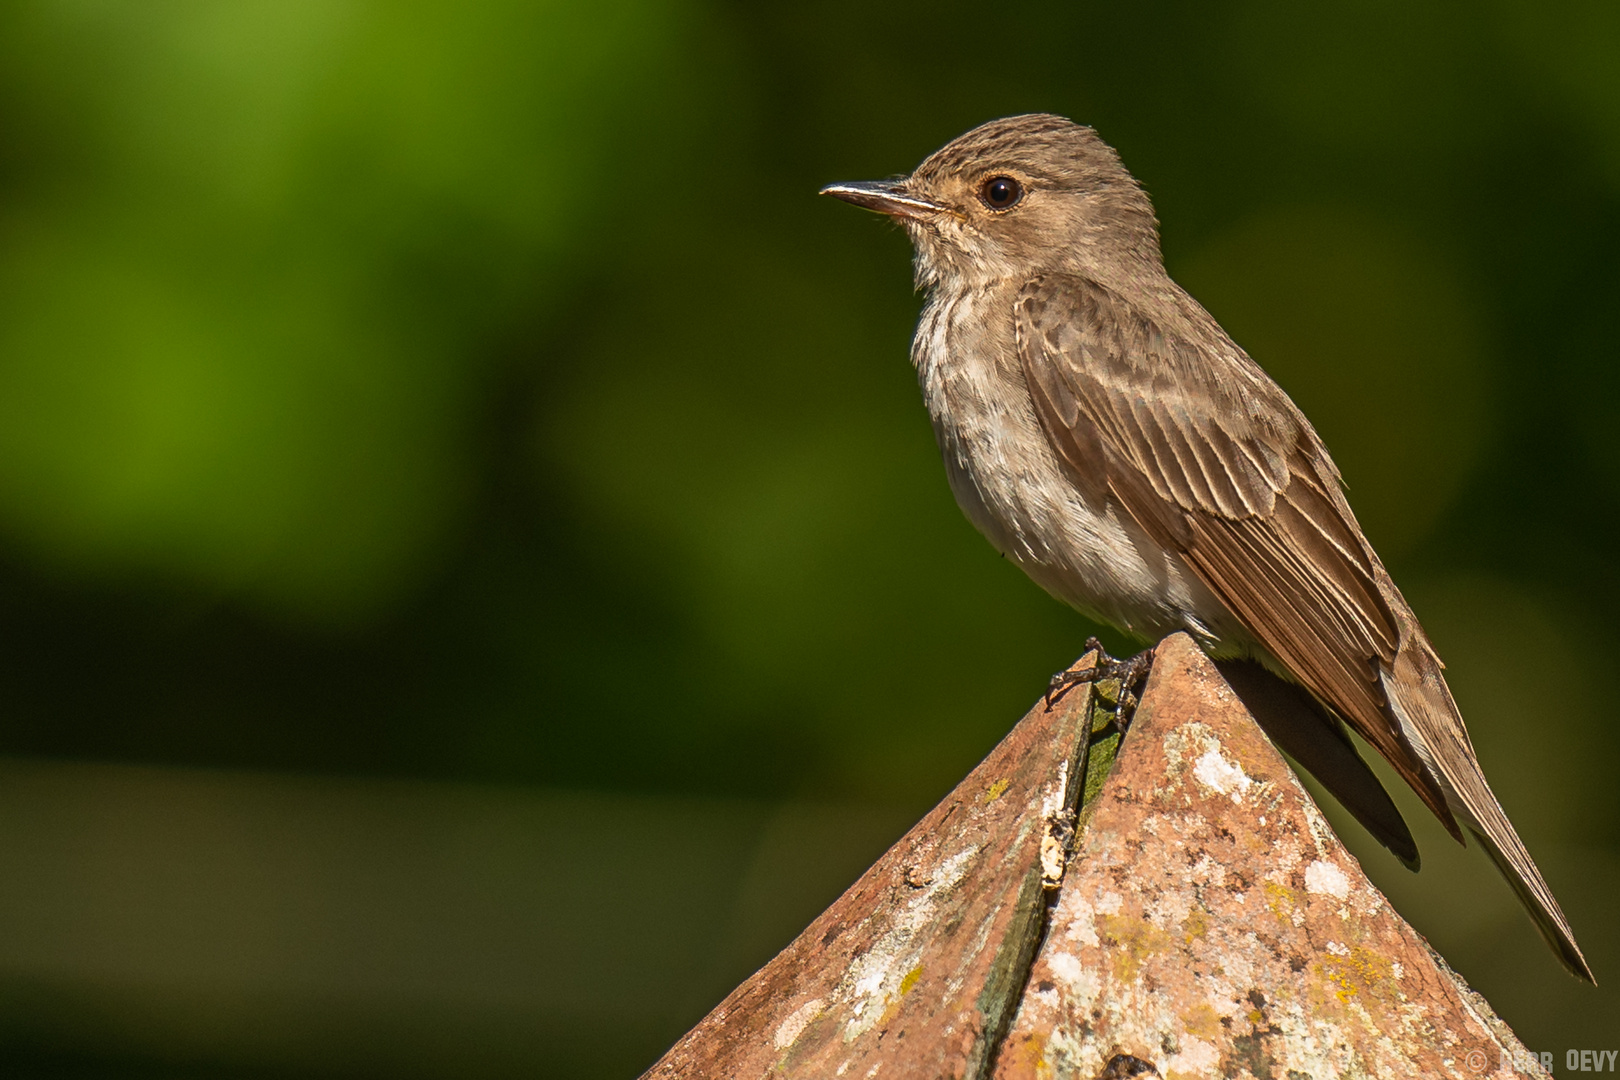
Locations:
{"points": [[1520, 872], [1431, 723]]}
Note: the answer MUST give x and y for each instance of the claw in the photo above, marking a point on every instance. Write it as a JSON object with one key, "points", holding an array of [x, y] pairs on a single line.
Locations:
{"points": [[1128, 673]]}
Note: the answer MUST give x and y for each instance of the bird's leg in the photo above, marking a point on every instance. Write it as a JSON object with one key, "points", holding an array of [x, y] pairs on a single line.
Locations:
{"points": [[1128, 673], [1131, 673]]}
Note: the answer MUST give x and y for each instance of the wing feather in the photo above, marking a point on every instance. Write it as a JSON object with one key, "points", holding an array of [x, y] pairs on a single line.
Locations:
{"points": [[1216, 462]]}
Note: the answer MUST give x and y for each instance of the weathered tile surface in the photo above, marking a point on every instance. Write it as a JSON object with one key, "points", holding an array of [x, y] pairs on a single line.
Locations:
{"points": [[920, 962], [1208, 924], [1212, 925]]}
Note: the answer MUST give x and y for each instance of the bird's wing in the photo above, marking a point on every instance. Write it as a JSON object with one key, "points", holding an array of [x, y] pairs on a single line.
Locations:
{"points": [[1210, 456]]}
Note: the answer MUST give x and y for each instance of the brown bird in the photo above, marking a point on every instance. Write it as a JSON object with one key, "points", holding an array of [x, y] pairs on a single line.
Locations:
{"points": [[1103, 431]]}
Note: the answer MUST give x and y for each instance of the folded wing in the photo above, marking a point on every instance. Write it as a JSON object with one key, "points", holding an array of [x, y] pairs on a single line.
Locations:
{"points": [[1217, 463]]}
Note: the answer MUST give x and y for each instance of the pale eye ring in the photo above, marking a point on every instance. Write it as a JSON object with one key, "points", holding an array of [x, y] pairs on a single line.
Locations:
{"points": [[1001, 192]]}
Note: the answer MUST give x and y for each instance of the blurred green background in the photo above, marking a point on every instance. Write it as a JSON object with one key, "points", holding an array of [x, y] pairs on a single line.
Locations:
{"points": [[475, 573]]}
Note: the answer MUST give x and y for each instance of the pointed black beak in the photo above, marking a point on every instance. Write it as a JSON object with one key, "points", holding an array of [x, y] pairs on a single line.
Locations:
{"points": [[884, 196]]}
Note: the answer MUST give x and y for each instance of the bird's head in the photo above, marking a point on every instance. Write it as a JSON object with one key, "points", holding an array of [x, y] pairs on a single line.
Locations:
{"points": [[1013, 197]]}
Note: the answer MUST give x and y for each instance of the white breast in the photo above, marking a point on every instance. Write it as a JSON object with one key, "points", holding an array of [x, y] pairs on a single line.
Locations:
{"points": [[1011, 485]]}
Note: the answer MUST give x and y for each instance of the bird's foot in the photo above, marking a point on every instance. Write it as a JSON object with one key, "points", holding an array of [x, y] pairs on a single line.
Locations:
{"points": [[1129, 674]]}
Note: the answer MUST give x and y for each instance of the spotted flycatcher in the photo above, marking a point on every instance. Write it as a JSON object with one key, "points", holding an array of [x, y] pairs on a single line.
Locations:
{"points": [[1106, 435]]}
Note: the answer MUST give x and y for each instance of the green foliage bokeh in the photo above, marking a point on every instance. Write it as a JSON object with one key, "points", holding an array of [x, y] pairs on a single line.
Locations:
{"points": [[479, 391]]}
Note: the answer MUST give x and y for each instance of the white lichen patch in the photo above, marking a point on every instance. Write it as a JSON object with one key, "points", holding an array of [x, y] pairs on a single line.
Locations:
{"points": [[1225, 987], [867, 987], [1195, 747], [1222, 776], [1067, 968], [1316, 1048], [1056, 796], [1082, 923], [953, 869], [788, 1032], [1324, 877], [875, 978]]}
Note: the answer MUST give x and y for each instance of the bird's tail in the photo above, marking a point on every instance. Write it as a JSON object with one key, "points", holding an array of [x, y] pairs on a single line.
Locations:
{"points": [[1431, 723]]}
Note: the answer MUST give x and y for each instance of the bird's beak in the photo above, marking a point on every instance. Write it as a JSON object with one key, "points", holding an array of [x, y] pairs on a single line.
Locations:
{"points": [[886, 197]]}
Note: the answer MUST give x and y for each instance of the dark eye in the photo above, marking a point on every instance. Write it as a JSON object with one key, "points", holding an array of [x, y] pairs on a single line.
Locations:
{"points": [[1001, 192]]}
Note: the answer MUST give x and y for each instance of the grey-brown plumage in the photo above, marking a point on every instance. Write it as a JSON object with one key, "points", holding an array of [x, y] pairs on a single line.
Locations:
{"points": [[1103, 432]]}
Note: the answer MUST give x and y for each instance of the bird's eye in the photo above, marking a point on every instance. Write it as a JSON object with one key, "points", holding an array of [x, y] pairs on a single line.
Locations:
{"points": [[1001, 192]]}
